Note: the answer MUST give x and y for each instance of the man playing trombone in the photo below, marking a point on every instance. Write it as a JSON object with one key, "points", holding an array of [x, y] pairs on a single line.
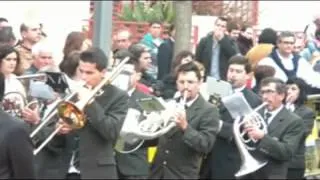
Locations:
{"points": [[88, 152], [180, 151]]}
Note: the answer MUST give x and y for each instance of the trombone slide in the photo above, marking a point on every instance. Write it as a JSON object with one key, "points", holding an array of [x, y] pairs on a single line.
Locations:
{"points": [[36, 151]]}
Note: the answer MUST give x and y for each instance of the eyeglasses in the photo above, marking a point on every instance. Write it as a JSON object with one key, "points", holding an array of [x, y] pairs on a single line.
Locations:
{"points": [[287, 42], [267, 91]]}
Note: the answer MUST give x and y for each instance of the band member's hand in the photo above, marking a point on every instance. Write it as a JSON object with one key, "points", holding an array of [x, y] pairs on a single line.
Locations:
{"points": [[31, 116], [254, 132], [181, 119], [66, 128]]}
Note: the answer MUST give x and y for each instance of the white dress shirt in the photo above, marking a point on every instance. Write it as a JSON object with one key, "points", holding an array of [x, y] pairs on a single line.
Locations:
{"points": [[12, 84], [273, 113], [304, 70]]}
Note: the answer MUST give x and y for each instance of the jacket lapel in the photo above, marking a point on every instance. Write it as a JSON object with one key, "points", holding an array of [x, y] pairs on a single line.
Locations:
{"points": [[277, 120]]}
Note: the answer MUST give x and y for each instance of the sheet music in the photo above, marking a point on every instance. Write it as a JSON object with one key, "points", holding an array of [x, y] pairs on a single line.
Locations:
{"points": [[237, 105]]}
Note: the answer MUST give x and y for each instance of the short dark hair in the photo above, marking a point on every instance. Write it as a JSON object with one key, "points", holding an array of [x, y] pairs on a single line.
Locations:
{"points": [[268, 35], [2, 19], [2, 85], [136, 50], [6, 35], [189, 67], [280, 85], [96, 56], [241, 60], [233, 25], [221, 18], [285, 34], [263, 71], [154, 22], [182, 54], [23, 27], [302, 85]]}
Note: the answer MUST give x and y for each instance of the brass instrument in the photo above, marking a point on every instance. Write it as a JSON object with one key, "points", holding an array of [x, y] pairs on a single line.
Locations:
{"points": [[72, 113], [155, 124], [14, 102], [249, 163]]}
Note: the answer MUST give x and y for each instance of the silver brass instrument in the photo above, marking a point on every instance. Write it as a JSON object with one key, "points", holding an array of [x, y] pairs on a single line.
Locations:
{"points": [[249, 163], [153, 126], [243, 114], [14, 102], [72, 113]]}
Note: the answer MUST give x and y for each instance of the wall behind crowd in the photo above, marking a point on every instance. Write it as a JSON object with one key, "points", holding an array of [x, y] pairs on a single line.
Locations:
{"points": [[58, 18]]}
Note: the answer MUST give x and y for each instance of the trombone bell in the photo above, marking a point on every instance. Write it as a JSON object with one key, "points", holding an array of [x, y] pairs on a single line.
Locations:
{"points": [[71, 114]]}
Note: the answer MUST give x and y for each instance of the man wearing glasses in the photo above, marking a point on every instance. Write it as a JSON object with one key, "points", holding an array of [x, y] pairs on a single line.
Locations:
{"points": [[287, 64], [284, 132]]}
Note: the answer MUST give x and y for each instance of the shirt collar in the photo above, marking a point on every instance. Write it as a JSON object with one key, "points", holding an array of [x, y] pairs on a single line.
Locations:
{"points": [[239, 89], [130, 92], [274, 112], [189, 103], [284, 58]]}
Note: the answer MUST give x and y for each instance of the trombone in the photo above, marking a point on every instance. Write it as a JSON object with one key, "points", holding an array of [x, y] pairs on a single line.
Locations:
{"points": [[72, 113]]}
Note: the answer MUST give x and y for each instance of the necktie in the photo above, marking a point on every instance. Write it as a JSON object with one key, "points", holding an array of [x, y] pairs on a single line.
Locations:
{"points": [[267, 115]]}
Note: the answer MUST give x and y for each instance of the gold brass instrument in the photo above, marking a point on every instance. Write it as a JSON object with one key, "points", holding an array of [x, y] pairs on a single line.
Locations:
{"points": [[14, 102], [72, 113], [249, 163]]}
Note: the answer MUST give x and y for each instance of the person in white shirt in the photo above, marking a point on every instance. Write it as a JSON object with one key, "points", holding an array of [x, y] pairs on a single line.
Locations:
{"points": [[287, 64]]}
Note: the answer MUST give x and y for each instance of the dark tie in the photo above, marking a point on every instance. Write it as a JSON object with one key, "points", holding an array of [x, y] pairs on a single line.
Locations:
{"points": [[267, 115]]}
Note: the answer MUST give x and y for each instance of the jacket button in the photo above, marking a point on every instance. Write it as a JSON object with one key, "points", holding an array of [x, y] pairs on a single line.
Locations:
{"points": [[166, 151], [164, 163]]}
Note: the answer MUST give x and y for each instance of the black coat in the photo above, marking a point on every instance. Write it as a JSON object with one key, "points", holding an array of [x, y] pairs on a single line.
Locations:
{"points": [[16, 152], [105, 116], [308, 116], [224, 159], [179, 154], [135, 163], [204, 53], [165, 58]]}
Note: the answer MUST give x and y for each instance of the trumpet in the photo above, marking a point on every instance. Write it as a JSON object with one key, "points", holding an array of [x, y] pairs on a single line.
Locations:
{"points": [[72, 113]]}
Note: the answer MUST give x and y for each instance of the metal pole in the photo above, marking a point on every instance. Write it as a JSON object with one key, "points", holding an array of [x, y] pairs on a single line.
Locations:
{"points": [[103, 25]]}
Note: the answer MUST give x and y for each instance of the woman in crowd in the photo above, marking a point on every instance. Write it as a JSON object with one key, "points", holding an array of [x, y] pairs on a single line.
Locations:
{"points": [[296, 97], [9, 61]]}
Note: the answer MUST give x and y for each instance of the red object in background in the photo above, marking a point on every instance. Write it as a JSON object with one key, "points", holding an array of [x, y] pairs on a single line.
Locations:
{"points": [[249, 84], [143, 88]]}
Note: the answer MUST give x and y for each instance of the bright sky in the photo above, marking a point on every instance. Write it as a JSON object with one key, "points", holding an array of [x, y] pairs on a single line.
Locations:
{"points": [[287, 15], [58, 17]]}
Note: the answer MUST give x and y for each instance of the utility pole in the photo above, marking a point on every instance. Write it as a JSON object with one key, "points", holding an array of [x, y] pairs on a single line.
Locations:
{"points": [[102, 25]]}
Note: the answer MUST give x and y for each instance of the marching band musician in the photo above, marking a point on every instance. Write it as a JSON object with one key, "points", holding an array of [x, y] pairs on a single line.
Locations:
{"points": [[88, 152], [284, 132], [134, 165], [15, 163], [295, 99], [180, 151], [224, 159]]}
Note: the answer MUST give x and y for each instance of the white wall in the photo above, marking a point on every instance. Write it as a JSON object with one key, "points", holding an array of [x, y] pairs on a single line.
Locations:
{"points": [[58, 18], [287, 15]]}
